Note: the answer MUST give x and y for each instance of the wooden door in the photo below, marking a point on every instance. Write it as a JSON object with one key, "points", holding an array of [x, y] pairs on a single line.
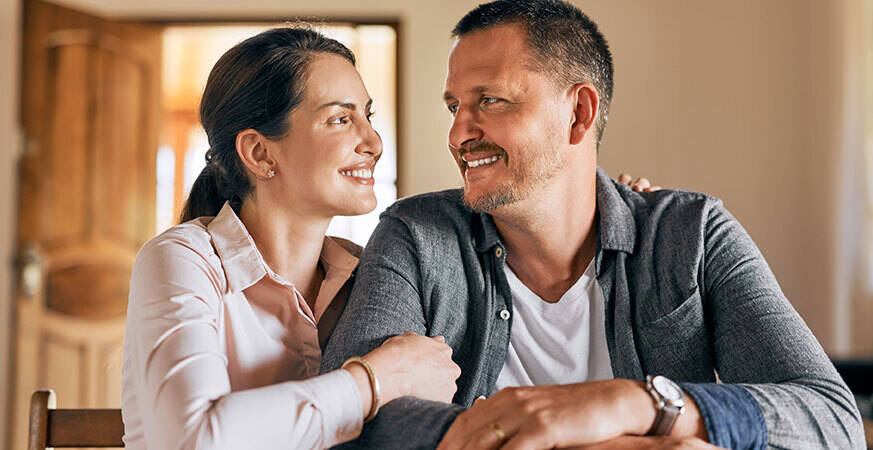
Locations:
{"points": [[91, 105]]}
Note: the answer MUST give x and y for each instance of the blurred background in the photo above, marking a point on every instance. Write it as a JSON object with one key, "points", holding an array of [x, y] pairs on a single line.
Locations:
{"points": [[767, 104]]}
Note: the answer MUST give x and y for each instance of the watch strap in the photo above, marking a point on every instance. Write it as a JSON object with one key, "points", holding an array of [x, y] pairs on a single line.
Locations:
{"points": [[664, 420]]}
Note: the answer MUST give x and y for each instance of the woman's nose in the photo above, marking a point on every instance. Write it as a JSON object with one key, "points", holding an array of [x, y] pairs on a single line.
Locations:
{"points": [[371, 145]]}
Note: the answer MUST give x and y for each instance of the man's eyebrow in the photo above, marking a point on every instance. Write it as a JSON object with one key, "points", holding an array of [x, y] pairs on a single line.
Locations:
{"points": [[346, 105], [477, 90]]}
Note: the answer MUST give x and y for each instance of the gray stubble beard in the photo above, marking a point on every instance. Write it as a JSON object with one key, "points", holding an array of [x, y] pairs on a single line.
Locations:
{"points": [[509, 193], [501, 196]]}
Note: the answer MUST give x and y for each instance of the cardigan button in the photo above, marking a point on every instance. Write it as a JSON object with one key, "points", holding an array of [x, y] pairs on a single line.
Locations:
{"points": [[504, 314], [498, 252]]}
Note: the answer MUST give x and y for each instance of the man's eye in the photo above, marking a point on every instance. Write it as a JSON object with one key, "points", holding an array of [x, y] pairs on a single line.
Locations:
{"points": [[453, 108], [339, 120], [489, 100]]}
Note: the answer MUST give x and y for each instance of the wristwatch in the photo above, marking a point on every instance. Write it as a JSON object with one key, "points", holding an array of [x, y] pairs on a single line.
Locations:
{"points": [[670, 401]]}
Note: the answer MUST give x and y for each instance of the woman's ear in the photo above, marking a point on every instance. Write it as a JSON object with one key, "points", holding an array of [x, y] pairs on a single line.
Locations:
{"points": [[254, 154], [586, 103]]}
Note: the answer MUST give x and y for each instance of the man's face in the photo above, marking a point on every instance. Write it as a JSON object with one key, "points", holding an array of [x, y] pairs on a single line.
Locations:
{"points": [[510, 124]]}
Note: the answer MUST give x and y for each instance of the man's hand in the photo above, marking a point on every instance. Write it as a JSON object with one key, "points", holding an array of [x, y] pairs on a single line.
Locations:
{"points": [[544, 417], [639, 185]]}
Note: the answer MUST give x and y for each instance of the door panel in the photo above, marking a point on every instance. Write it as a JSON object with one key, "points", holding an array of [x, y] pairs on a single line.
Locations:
{"points": [[64, 145], [69, 382], [90, 108]]}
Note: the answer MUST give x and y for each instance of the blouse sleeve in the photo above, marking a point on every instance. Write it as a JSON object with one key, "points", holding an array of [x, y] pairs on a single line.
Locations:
{"points": [[176, 362]]}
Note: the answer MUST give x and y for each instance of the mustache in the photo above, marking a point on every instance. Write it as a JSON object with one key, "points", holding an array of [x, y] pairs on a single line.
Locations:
{"points": [[482, 147]]}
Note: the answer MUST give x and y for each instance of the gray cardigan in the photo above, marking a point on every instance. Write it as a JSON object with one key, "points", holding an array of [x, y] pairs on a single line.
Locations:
{"points": [[688, 295]]}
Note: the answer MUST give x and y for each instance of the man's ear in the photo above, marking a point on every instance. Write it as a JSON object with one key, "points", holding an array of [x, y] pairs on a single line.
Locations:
{"points": [[584, 112], [252, 150]]}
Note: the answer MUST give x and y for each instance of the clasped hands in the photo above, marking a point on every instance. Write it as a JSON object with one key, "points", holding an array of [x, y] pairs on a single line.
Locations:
{"points": [[609, 414]]}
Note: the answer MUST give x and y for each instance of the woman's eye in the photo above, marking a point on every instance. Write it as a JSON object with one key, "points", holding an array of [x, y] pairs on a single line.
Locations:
{"points": [[339, 120]]}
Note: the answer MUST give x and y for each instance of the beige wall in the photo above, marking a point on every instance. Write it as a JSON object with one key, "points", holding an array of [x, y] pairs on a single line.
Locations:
{"points": [[854, 266], [10, 19], [741, 99]]}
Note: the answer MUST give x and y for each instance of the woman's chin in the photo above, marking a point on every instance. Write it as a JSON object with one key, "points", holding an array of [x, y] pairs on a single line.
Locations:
{"points": [[359, 208]]}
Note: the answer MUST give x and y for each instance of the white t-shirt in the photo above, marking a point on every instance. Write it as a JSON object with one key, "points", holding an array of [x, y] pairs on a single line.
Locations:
{"points": [[556, 343]]}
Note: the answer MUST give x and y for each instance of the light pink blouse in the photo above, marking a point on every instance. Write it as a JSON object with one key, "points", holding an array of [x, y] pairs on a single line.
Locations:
{"points": [[221, 352]]}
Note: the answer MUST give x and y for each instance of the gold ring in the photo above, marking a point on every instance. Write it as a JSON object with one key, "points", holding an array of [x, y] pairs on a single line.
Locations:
{"points": [[498, 432]]}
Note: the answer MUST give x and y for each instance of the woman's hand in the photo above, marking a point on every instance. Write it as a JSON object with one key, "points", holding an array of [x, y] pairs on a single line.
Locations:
{"points": [[412, 364], [640, 185]]}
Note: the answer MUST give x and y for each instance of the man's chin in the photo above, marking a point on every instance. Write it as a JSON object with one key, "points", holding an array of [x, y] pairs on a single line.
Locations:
{"points": [[486, 202]]}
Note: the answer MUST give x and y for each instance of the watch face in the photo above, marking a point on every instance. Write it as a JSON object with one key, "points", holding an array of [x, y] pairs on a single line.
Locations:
{"points": [[667, 388]]}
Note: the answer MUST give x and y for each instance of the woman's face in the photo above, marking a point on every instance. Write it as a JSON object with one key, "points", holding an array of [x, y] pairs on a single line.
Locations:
{"points": [[324, 164]]}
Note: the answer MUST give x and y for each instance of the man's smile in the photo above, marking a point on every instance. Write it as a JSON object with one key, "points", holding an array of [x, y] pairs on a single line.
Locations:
{"points": [[473, 163]]}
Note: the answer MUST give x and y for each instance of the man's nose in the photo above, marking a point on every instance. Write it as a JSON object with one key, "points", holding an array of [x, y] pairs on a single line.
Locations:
{"points": [[465, 129]]}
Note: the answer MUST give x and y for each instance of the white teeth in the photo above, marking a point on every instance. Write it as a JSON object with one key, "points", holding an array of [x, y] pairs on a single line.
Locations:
{"points": [[482, 162], [358, 173]]}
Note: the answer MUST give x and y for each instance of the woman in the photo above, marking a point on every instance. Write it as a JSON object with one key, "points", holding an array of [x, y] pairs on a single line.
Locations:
{"points": [[228, 310]]}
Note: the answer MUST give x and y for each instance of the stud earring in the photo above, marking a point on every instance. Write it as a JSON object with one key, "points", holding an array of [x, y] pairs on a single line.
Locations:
{"points": [[271, 173]]}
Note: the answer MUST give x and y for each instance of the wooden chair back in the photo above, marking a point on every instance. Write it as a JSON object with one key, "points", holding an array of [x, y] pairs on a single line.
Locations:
{"points": [[66, 428]]}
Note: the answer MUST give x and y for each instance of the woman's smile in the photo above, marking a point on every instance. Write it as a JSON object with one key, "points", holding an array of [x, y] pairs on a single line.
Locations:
{"points": [[361, 173]]}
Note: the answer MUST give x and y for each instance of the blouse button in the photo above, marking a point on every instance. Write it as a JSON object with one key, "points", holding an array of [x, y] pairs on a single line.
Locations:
{"points": [[498, 252], [504, 314]]}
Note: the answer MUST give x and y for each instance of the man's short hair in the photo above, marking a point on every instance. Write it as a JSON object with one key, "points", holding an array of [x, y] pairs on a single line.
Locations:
{"points": [[566, 43]]}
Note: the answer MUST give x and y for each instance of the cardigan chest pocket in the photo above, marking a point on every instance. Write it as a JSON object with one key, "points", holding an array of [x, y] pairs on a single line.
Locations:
{"points": [[684, 322], [677, 343]]}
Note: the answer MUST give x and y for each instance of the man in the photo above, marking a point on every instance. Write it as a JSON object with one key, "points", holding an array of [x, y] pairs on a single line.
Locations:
{"points": [[543, 273]]}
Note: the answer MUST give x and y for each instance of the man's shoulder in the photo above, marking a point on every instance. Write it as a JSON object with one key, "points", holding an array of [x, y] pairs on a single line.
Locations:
{"points": [[430, 206], [431, 220], [675, 227], [675, 218], [668, 206]]}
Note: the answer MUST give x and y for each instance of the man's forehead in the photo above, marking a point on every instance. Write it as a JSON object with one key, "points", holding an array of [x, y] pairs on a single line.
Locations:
{"points": [[485, 55], [494, 43]]}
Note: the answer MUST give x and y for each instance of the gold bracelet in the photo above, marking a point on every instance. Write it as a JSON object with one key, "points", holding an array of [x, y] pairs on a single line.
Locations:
{"points": [[374, 384]]}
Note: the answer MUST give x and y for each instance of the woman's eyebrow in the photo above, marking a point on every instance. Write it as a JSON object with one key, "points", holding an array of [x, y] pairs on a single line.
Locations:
{"points": [[345, 104]]}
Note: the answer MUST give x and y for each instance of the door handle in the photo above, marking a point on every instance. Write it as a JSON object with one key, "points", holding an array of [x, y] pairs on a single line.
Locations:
{"points": [[30, 266]]}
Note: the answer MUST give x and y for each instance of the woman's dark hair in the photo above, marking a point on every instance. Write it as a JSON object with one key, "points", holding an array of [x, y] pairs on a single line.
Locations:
{"points": [[255, 84]]}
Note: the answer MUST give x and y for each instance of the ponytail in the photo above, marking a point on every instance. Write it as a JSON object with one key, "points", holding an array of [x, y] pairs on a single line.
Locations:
{"points": [[204, 199]]}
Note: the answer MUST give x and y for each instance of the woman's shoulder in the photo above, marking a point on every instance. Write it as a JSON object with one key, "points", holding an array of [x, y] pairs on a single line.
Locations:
{"points": [[188, 236], [176, 274], [187, 244]]}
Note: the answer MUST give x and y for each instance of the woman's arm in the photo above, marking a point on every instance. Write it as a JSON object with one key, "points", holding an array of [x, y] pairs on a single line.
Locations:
{"points": [[179, 371]]}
